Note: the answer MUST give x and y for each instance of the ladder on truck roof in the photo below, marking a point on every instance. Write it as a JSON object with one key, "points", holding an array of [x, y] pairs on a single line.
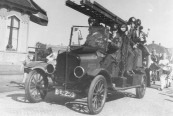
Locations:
{"points": [[97, 11]]}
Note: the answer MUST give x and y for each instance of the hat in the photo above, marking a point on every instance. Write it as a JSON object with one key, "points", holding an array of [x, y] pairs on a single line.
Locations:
{"points": [[132, 19], [114, 27], [138, 22]]}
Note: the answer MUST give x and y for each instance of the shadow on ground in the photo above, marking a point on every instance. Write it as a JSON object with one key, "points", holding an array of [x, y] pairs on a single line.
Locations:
{"points": [[154, 86], [18, 97], [15, 84], [78, 105], [169, 100], [169, 92]]}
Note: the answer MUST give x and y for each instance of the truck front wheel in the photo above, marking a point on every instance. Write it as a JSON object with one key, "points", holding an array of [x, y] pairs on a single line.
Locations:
{"points": [[36, 86], [97, 94]]}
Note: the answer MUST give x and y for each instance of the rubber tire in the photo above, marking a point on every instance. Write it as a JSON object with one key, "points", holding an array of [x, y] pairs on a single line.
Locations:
{"points": [[139, 93], [147, 72], [27, 85], [90, 93]]}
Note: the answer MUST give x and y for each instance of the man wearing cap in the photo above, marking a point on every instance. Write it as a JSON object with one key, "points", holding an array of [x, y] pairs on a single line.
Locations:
{"points": [[94, 33], [115, 42], [141, 37], [97, 34], [133, 53], [154, 56]]}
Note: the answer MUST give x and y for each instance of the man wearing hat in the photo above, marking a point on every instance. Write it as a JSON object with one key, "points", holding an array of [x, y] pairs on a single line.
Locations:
{"points": [[141, 36], [95, 36], [154, 56], [133, 52]]}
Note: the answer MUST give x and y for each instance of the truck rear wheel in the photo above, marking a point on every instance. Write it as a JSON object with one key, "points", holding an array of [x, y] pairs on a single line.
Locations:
{"points": [[97, 94], [140, 91], [35, 86]]}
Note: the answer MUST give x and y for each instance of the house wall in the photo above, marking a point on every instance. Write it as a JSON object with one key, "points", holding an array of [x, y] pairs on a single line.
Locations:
{"points": [[19, 55]]}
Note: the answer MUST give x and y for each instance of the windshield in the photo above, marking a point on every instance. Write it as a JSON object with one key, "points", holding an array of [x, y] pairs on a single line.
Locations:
{"points": [[89, 36]]}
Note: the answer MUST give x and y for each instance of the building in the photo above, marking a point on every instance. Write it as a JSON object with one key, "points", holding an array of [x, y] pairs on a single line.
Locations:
{"points": [[158, 47], [15, 16]]}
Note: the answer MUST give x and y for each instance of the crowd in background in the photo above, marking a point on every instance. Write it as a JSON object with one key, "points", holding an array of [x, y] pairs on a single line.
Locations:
{"points": [[163, 64]]}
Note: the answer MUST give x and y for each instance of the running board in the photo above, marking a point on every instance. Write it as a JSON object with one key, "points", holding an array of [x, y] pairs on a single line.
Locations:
{"points": [[123, 88]]}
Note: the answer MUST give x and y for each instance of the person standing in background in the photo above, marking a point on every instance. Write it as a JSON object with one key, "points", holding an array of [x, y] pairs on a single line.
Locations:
{"points": [[164, 66], [28, 59]]}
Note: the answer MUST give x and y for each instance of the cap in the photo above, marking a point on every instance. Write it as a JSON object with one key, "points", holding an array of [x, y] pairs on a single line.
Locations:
{"points": [[132, 19]]}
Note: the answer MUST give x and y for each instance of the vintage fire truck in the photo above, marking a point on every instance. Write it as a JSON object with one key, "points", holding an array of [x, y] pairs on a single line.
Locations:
{"points": [[79, 69]]}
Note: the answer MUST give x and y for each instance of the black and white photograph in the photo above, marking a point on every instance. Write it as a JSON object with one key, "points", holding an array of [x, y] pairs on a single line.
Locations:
{"points": [[86, 57]]}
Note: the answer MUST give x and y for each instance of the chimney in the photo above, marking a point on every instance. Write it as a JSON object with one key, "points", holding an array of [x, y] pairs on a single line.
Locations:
{"points": [[153, 42], [159, 44]]}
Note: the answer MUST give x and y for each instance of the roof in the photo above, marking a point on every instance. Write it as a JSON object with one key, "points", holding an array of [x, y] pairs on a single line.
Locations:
{"points": [[24, 3], [158, 48], [38, 15]]}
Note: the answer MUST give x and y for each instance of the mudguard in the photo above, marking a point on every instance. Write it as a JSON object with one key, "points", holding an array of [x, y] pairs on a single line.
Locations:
{"points": [[37, 65], [100, 71]]}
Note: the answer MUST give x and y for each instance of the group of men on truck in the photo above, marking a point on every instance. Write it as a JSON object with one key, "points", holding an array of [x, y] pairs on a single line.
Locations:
{"points": [[128, 38]]}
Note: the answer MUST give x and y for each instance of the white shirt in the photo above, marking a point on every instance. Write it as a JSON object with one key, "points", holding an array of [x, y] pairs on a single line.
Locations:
{"points": [[164, 64]]}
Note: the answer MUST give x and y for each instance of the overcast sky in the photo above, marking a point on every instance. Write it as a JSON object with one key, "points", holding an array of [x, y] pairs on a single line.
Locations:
{"points": [[154, 14]]}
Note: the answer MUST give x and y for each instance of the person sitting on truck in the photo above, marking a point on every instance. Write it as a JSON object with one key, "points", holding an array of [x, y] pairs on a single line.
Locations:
{"points": [[132, 52], [141, 36], [114, 44]]}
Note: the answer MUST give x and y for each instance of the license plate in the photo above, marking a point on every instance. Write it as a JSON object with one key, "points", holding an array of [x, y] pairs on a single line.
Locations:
{"points": [[65, 93]]}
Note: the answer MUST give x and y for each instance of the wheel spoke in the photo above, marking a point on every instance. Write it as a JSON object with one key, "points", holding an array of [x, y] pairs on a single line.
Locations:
{"points": [[94, 94], [96, 103], [32, 83], [40, 78], [38, 93], [101, 88], [99, 102], [40, 81], [94, 99], [34, 79], [96, 88], [101, 91], [32, 87], [99, 85], [33, 91]]}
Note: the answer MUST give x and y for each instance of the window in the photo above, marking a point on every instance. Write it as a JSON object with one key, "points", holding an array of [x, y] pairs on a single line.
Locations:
{"points": [[12, 33]]}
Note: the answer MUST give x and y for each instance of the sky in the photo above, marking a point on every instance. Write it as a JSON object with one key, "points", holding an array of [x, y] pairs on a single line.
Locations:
{"points": [[157, 15]]}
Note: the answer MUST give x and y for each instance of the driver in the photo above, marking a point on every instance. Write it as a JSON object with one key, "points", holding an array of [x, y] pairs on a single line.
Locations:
{"points": [[95, 37]]}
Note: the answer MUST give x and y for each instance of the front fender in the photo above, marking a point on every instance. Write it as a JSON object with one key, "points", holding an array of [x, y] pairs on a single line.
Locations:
{"points": [[100, 71], [37, 65]]}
